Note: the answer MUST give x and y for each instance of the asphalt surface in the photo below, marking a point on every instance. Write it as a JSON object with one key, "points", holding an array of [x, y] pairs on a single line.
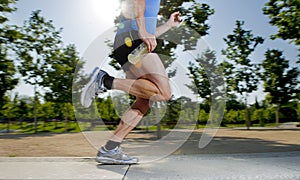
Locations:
{"points": [[279, 165]]}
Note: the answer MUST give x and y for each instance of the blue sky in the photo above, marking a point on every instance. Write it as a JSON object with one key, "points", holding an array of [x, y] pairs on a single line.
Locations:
{"points": [[223, 22], [85, 20]]}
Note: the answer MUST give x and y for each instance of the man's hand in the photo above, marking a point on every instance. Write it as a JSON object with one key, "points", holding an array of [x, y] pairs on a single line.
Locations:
{"points": [[149, 40], [174, 19]]}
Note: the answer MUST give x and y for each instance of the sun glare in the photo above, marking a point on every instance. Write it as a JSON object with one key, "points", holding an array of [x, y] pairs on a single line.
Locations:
{"points": [[106, 11]]}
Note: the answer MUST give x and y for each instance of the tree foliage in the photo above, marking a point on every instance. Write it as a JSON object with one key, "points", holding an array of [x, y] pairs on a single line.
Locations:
{"points": [[60, 77], [285, 15], [7, 73], [240, 45], [208, 83], [40, 45], [8, 34], [196, 15], [207, 77], [280, 82]]}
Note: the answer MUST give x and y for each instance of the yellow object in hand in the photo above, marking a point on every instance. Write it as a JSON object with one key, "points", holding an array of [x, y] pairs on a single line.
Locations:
{"points": [[128, 42]]}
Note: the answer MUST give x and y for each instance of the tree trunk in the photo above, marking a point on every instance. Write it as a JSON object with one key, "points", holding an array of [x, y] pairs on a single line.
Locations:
{"points": [[211, 116], [45, 124], [277, 108], [248, 124], [21, 123], [34, 111], [157, 117], [66, 119], [261, 119], [248, 118], [144, 123], [66, 125], [55, 124], [8, 125]]}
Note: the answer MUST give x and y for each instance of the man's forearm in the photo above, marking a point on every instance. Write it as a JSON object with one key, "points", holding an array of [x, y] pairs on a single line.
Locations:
{"points": [[139, 10], [146, 37], [173, 21], [162, 29]]}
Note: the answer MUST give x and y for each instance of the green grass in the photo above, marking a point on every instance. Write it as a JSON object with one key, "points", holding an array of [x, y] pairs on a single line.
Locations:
{"points": [[49, 127], [61, 127], [12, 155], [150, 128], [53, 127], [252, 125]]}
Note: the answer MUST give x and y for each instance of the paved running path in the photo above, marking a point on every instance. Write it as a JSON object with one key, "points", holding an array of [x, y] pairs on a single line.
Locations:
{"points": [[285, 165]]}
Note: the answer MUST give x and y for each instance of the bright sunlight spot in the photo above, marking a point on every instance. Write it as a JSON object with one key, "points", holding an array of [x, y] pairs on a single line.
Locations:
{"points": [[106, 11]]}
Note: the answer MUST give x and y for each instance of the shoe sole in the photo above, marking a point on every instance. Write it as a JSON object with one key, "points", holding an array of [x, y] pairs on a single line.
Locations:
{"points": [[110, 161], [87, 87]]}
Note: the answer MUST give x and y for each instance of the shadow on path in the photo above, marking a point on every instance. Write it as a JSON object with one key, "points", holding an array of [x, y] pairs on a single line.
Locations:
{"points": [[220, 144]]}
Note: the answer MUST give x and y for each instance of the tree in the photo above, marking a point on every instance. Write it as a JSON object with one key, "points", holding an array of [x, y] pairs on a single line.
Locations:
{"points": [[208, 81], [23, 109], [196, 15], [280, 82], [10, 109], [173, 111], [60, 79], [298, 110], [203, 116], [240, 45], [8, 34], [7, 74], [232, 103], [233, 116], [106, 109], [40, 44], [285, 15], [205, 74]]}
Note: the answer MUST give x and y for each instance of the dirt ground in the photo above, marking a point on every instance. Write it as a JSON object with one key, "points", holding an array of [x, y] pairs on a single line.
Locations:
{"points": [[225, 141]]}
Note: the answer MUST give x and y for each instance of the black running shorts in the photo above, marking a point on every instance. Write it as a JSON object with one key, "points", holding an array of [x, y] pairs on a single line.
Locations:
{"points": [[122, 49]]}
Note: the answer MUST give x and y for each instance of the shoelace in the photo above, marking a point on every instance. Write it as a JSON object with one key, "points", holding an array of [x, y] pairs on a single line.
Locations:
{"points": [[99, 89]]}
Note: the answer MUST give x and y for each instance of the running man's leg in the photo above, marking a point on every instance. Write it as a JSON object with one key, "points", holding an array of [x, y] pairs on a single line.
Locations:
{"points": [[152, 82], [130, 119], [152, 85]]}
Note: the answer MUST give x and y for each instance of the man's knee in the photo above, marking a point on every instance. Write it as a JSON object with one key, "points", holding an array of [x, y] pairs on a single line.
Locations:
{"points": [[165, 90], [163, 95], [166, 94], [152, 56], [141, 106]]}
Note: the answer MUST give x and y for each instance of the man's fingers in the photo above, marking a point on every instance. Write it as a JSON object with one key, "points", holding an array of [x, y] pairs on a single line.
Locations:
{"points": [[149, 40], [149, 47], [154, 44], [151, 44]]}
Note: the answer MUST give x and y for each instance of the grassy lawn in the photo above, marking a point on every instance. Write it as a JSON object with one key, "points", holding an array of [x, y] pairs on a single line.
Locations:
{"points": [[51, 127], [252, 125], [62, 127]]}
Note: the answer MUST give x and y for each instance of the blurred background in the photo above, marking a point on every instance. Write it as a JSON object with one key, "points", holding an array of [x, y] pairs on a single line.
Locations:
{"points": [[253, 46]]}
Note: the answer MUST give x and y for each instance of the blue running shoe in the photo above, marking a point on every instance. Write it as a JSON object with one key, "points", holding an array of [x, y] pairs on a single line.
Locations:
{"points": [[115, 156], [93, 87]]}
